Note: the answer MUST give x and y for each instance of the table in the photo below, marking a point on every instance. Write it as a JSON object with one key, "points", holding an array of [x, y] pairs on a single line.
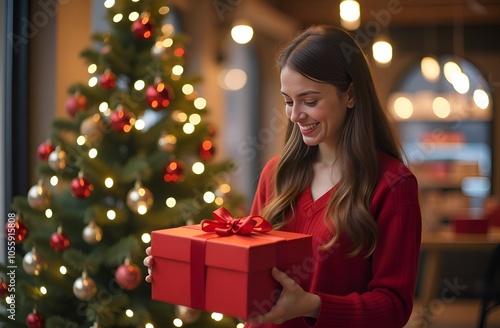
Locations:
{"points": [[435, 243]]}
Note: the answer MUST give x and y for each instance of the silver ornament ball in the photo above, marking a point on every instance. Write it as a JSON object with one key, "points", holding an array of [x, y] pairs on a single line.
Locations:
{"points": [[84, 288], [33, 263], [92, 233], [57, 159], [39, 196]]}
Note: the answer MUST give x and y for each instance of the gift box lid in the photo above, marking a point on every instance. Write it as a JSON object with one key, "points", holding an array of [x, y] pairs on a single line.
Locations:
{"points": [[257, 251]]}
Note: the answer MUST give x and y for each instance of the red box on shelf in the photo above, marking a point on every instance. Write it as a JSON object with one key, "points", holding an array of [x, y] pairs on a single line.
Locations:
{"points": [[226, 274], [466, 224]]}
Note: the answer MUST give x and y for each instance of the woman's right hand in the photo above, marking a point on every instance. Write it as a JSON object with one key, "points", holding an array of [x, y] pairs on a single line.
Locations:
{"points": [[148, 261]]}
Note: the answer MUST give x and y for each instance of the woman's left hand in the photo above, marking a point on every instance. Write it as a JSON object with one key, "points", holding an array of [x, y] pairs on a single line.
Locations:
{"points": [[293, 302]]}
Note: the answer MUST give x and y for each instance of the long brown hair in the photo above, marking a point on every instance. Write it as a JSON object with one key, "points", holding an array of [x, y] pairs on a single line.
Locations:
{"points": [[329, 54]]}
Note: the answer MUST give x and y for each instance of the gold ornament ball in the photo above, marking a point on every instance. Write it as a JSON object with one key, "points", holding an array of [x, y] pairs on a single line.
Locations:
{"points": [[186, 314], [167, 142], [39, 197], [92, 233], [92, 128], [84, 288], [139, 199]]}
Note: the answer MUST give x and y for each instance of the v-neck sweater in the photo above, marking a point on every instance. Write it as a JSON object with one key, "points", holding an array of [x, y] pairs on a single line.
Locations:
{"points": [[376, 291]]}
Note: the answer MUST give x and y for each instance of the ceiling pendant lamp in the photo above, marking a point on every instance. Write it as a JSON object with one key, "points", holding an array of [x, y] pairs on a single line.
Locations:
{"points": [[350, 14]]}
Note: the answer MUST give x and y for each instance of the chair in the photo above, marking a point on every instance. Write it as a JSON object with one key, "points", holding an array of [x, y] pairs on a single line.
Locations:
{"points": [[490, 294]]}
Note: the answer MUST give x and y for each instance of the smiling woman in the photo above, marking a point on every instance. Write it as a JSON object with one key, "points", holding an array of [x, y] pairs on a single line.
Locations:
{"points": [[340, 179]]}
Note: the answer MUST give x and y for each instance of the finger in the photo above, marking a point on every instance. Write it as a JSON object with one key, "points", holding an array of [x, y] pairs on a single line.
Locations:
{"points": [[257, 319], [149, 279], [148, 250], [282, 278], [148, 261]]}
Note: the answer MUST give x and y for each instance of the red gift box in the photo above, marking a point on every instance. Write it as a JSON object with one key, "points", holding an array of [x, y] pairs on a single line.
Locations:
{"points": [[466, 224], [229, 274]]}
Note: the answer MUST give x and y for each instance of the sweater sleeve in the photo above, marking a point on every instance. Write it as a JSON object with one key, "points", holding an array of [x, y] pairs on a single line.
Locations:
{"points": [[388, 300], [265, 187]]}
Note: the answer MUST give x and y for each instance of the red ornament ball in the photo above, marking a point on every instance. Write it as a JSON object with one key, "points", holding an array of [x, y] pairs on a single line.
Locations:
{"points": [[174, 172], [59, 241], [143, 27], [158, 96], [81, 187], [35, 320], [44, 150], [121, 120], [17, 229], [128, 276], [76, 103], [207, 150], [107, 81]]}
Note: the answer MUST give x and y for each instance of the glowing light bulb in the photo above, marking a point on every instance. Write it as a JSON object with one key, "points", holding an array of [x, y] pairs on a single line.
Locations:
{"points": [[198, 168], [216, 316], [209, 197], [111, 215], [177, 70], [430, 69], [481, 98], [194, 119], [108, 182], [403, 107], [146, 238], [350, 14], [139, 85], [93, 153], [382, 52], [117, 18], [54, 180], [441, 107], [188, 128], [92, 81], [242, 33], [187, 89], [200, 103], [170, 202], [92, 68]]}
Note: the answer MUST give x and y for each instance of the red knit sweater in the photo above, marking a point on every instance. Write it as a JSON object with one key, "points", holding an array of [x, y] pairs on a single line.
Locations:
{"points": [[357, 291]]}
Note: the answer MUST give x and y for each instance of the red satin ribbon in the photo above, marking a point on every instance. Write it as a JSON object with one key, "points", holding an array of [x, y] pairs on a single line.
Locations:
{"points": [[226, 225]]}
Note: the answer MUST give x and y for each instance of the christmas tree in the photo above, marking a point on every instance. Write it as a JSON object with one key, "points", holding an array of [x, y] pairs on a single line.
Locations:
{"points": [[133, 155]]}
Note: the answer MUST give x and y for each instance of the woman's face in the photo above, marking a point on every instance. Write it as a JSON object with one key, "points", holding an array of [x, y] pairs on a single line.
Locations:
{"points": [[319, 109]]}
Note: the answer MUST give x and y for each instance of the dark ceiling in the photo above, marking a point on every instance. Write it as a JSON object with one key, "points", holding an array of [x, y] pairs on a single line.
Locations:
{"points": [[397, 12], [442, 25]]}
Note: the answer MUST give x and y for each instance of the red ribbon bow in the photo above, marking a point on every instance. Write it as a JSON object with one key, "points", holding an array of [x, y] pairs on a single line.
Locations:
{"points": [[225, 224]]}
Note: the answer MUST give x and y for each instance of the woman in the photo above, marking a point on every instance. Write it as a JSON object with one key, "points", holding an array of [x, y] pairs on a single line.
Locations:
{"points": [[340, 179]]}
